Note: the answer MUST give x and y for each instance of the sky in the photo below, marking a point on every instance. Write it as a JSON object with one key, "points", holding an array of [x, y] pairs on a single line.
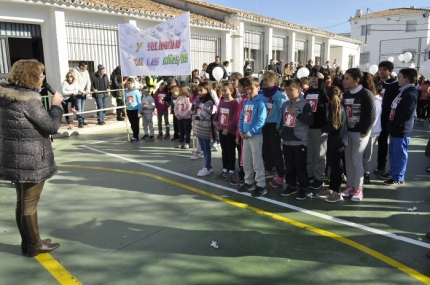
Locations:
{"points": [[329, 15]]}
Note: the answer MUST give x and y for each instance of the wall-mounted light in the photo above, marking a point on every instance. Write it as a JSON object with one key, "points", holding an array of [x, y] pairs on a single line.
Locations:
{"points": [[426, 15]]}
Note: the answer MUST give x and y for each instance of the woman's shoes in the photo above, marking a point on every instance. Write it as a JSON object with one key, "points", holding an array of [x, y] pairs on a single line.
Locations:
{"points": [[70, 126]]}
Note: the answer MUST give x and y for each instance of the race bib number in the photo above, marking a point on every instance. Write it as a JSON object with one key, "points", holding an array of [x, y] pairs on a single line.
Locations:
{"points": [[161, 98], [269, 107], [130, 99], [289, 119], [223, 116], [181, 107], [394, 107], [312, 99], [247, 114], [349, 107], [200, 108]]}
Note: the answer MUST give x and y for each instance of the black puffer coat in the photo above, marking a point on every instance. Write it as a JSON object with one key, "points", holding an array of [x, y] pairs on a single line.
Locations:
{"points": [[26, 154]]}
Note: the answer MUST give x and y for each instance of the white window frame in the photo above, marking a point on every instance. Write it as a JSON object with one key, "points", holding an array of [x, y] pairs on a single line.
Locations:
{"points": [[411, 26]]}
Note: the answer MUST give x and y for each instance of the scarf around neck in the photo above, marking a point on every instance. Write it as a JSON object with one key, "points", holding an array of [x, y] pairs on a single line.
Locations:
{"points": [[269, 92]]}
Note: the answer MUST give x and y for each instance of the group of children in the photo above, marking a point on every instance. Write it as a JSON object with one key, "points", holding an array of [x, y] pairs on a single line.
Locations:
{"points": [[298, 130]]}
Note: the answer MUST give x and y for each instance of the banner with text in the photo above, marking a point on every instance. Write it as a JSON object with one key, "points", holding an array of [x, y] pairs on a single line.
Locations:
{"points": [[160, 50]]}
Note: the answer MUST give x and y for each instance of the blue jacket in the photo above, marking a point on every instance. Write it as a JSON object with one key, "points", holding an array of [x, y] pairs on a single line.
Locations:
{"points": [[132, 100], [401, 119], [275, 111], [253, 115]]}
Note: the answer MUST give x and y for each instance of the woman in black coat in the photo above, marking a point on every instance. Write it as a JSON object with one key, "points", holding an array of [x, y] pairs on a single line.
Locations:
{"points": [[26, 156]]}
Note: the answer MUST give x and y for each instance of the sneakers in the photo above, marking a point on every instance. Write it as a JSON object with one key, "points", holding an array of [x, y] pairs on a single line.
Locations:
{"points": [[334, 197], [311, 179], [80, 125], [186, 146], [151, 138], [347, 191], [160, 136], [204, 172], [179, 146], [221, 175], [316, 184], [392, 182], [230, 176], [195, 156], [289, 190], [366, 178], [303, 194], [260, 191], [133, 140], [277, 182], [215, 146], [173, 139], [166, 136], [247, 187], [237, 182], [145, 137], [120, 119], [379, 170], [385, 176], [268, 174], [324, 193], [358, 196]]}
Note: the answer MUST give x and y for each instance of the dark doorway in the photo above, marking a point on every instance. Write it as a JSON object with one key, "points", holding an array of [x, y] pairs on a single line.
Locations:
{"points": [[25, 49]]}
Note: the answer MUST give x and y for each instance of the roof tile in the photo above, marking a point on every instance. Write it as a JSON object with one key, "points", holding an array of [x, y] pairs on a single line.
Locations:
{"points": [[392, 12]]}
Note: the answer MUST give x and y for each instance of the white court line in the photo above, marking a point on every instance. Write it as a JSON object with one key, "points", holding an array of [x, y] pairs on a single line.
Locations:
{"points": [[96, 142], [285, 205]]}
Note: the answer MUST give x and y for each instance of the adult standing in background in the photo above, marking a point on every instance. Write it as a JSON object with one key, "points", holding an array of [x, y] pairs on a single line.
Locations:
{"points": [[280, 67], [26, 156], [216, 63], [83, 81], [203, 73], [247, 69], [310, 65], [100, 87], [117, 83], [226, 65], [335, 64]]}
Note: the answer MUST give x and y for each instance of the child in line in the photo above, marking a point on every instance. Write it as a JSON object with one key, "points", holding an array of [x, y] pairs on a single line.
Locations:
{"points": [[360, 110], [183, 114], [250, 127], [148, 106], [197, 151], [376, 128], [203, 113], [174, 93], [215, 98], [162, 110], [240, 179], [337, 139], [225, 121], [234, 79], [296, 119], [133, 105]]}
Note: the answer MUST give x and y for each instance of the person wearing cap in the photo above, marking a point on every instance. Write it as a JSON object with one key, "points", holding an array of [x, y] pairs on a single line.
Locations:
{"points": [[100, 87]]}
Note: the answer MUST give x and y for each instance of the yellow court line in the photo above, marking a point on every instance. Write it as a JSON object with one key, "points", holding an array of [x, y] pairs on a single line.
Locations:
{"points": [[57, 270], [413, 273]]}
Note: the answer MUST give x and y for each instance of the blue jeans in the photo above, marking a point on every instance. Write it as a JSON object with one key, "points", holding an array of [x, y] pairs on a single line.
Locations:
{"points": [[398, 152], [80, 107], [101, 100], [206, 149]]}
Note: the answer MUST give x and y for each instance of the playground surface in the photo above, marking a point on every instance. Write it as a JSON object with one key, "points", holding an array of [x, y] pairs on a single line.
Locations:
{"points": [[138, 214]]}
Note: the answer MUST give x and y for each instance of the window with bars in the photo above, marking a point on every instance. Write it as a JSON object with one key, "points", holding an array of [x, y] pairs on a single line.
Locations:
{"points": [[364, 57], [364, 29], [319, 53], [411, 26], [254, 49], [204, 49], [301, 51], [279, 48]]}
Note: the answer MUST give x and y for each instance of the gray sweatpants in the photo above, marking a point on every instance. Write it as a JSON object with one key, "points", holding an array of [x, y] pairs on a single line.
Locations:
{"points": [[253, 160], [354, 160], [367, 157], [147, 123], [317, 149]]}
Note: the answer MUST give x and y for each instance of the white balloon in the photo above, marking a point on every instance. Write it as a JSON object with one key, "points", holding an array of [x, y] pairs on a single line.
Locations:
{"points": [[412, 65], [401, 57], [407, 56], [425, 69], [367, 65], [218, 73], [302, 72], [391, 59], [393, 74], [373, 69]]}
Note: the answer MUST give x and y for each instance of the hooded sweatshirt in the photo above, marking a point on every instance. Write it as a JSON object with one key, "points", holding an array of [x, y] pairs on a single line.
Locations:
{"points": [[401, 118], [149, 103], [82, 79], [132, 100], [160, 101], [295, 126], [274, 106], [253, 116], [244, 98]]}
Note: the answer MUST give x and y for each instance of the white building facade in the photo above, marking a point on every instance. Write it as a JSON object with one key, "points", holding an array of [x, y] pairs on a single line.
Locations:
{"points": [[391, 33], [60, 33]]}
